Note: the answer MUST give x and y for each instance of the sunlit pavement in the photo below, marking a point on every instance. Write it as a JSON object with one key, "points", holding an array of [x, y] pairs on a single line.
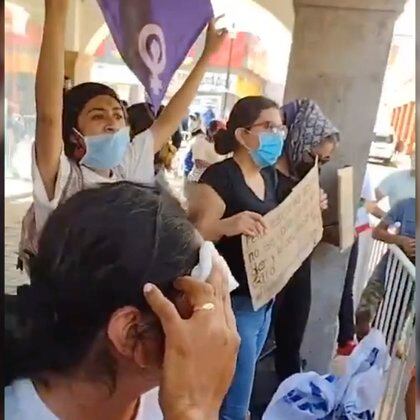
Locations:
{"points": [[16, 187]]}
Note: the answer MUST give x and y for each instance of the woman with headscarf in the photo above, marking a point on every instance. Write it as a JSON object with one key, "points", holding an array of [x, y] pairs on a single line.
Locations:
{"points": [[90, 124], [310, 136]]}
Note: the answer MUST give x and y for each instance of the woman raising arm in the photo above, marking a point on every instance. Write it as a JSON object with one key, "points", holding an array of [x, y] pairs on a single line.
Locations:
{"points": [[91, 121]]}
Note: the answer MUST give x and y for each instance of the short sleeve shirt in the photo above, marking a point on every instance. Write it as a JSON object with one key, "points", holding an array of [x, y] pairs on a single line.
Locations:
{"points": [[22, 402], [367, 194], [137, 166], [203, 150], [403, 212], [228, 182], [398, 186]]}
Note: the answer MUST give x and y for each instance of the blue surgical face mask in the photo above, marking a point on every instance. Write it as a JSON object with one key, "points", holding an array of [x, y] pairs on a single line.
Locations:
{"points": [[270, 149], [106, 151]]}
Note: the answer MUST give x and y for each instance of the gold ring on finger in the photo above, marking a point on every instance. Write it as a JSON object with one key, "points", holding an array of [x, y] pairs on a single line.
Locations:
{"points": [[209, 306]]}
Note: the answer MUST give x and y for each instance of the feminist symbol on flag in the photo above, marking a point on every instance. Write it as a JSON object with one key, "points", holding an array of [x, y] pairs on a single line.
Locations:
{"points": [[153, 55]]}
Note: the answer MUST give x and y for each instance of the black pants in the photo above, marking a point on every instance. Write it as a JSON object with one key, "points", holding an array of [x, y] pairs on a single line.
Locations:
{"points": [[346, 313], [290, 316]]}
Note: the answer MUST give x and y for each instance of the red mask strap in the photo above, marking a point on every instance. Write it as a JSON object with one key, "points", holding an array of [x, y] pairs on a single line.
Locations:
{"points": [[80, 147]]}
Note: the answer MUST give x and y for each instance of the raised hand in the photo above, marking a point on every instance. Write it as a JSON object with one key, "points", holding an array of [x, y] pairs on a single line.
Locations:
{"points": [[214, 38], [200, 352]]}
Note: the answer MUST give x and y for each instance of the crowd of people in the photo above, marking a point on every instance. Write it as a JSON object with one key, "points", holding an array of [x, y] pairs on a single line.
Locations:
{"points": [[112, 325]]}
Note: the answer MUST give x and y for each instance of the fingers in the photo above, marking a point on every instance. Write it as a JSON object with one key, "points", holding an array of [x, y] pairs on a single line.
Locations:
{"points": [[212, 25], [250, 231], [216, 19], [259, 226], [229, 315], [162, 307], [197, 293], [218, 280], [258, 218], [323, 199]]}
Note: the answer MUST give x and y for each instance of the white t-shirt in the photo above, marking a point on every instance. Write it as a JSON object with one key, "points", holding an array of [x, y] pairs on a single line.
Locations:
{"points": [[137, 166], [368, 194], [203, 150], [21, 402], [398, 186]]}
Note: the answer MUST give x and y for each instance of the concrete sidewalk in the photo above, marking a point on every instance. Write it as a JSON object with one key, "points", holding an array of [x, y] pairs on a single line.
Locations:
{"points": [[18, 198]]}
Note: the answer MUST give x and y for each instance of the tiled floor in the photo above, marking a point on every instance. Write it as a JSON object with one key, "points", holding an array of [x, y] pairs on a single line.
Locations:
{"points": [[14, 211]]}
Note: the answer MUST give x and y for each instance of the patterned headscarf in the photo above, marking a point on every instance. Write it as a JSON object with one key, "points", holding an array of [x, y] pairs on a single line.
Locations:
{"points": [[307, 126]]}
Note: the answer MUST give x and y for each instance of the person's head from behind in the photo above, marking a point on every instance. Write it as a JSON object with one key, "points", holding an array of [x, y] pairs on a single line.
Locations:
{"points": [[213, 128], [94, 126], [311, 135], [141, 117], [254, 127], [195, 123], [85, 311]]}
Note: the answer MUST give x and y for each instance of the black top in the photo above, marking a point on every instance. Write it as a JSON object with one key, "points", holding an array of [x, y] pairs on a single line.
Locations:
{"points": [[227, 180]]}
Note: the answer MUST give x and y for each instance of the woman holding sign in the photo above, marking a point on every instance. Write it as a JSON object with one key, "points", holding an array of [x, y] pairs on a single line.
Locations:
{"points": [[83, 139], [310, 136], [232, 198]]}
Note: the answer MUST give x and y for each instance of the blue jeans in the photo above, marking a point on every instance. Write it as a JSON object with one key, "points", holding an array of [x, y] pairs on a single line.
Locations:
{"points": [[253, 327]]}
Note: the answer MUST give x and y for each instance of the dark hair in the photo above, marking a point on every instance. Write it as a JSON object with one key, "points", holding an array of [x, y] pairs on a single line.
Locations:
{"points": [[213, 127], [75, 99], [141, 118], [96, 252], [245, 112]]}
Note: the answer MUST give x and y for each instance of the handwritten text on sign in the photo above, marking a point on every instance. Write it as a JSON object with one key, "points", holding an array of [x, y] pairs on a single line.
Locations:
{"points": [[294, 229]]}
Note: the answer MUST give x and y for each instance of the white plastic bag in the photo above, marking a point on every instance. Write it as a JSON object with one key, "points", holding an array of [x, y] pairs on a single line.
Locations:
{"points": [[355, 395]]}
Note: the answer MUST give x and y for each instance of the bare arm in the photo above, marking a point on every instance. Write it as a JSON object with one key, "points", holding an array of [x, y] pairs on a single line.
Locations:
{"points": [[373, 208], [49, 94], [381, 233], [205, 211], [379, 194], [172, 115]]}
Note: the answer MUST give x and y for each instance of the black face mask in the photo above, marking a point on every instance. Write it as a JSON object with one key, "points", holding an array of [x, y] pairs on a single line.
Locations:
{"points": [[302, 168]]}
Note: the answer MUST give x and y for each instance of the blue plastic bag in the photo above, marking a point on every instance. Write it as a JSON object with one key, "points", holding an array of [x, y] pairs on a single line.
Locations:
{"points": [[353, 396]]}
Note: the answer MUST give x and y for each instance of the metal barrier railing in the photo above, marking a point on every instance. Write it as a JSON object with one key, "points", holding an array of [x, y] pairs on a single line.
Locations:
{"points": [[397, 304], [395, 319], [379, 249]]}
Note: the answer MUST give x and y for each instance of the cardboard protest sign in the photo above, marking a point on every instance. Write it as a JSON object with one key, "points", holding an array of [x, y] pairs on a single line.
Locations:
{"points": [[345, 207], [294, 229], [154, 36]]}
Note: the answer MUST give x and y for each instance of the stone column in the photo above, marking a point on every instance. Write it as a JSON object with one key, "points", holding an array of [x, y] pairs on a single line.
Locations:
{"points": [[77, 66], [83, 67], [339, 55]]}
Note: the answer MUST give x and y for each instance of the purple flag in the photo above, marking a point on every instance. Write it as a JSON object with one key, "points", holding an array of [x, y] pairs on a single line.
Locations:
{"points": [[154, 36]]}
